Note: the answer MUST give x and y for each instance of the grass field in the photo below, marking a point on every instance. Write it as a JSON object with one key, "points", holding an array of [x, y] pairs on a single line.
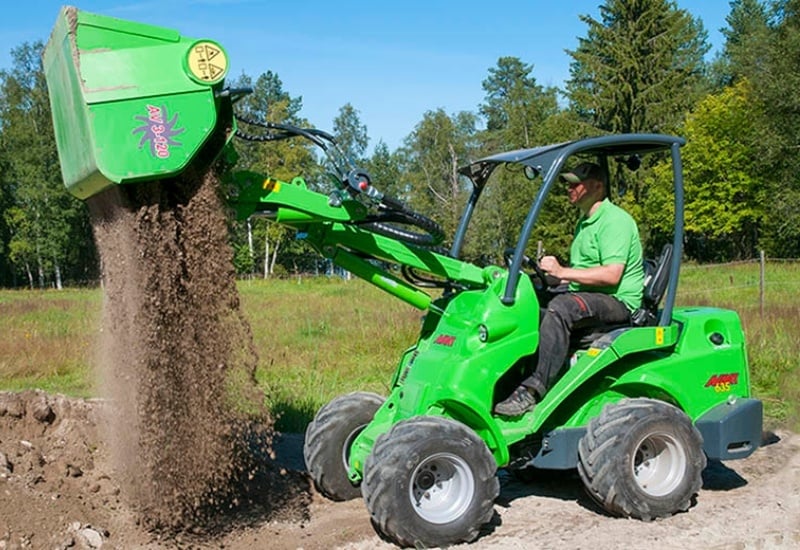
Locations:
{"points": [[319, 337]]}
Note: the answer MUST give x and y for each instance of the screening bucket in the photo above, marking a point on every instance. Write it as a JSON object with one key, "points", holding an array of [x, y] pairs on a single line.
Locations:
{"points": [[130, 102]]}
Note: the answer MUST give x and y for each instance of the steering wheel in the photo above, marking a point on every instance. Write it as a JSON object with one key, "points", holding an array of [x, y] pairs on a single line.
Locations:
{"points": [[546, 281]]}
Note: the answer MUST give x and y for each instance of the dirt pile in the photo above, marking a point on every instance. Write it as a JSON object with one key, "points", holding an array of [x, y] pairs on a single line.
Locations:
{"points": [[176, 355], [49, 479], [59, 487]]}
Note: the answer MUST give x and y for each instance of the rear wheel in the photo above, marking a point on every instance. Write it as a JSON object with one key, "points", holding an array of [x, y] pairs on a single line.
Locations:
{"points": [[328, 438], [642, 458], [430, 481]]}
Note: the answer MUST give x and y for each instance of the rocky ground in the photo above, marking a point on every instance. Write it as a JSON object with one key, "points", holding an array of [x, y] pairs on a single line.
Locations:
{"points": [[58, 490]]}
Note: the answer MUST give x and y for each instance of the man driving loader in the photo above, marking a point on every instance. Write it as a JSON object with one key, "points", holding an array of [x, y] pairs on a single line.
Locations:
{"points": [[605, 279]]}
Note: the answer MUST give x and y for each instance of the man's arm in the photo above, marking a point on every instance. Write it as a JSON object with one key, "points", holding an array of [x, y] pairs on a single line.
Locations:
{"points": [[601, 275]]}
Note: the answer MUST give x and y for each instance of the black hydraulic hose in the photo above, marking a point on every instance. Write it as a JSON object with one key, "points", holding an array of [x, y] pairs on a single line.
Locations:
{"points": [[432, 234], [395, 212], [278, 131], [399, 212], [285, 131]]}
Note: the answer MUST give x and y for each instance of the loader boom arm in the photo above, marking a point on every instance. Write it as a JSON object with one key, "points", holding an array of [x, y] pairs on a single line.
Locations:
{"points": [[335, 225]]}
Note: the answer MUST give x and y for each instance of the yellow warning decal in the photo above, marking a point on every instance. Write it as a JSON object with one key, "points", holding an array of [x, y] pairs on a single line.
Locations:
{"points": [[592, 352], [271, 185], [659, 335], [207, 62]]}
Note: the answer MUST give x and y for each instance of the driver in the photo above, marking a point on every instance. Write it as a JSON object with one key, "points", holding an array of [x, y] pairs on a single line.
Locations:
{"points": [[605, 279]]}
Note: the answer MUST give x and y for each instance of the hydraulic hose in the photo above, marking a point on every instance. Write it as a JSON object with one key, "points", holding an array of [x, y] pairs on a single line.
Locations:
{"points": [[393, 211], [432, 233]]}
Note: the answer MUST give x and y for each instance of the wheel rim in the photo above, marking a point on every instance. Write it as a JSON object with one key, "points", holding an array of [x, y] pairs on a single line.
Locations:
{"points": [[659, 464], [348, 443], [442, 487]]}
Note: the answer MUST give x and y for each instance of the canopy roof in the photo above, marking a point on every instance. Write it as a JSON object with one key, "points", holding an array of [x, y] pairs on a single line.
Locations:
{"points": [[542, 159]]}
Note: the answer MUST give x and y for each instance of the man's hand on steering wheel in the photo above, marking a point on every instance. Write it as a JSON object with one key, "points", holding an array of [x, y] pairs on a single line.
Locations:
{"points": [[546, 280], [552, 267]]}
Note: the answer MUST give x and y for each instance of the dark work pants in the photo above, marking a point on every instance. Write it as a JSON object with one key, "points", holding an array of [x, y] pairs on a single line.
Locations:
{"points": [[565, 314]]}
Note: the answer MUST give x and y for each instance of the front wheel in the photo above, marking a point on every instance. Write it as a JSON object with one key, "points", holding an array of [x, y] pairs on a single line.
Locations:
{"points": [[326, 448], [430, 481], [642, 458]]}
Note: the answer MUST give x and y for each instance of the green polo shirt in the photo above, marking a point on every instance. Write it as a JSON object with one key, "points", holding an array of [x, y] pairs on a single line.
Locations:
{"points": [[610, 236]]}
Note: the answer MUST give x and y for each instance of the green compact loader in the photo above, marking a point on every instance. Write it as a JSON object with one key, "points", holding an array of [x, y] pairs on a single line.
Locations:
{"points": [[639, 410]]}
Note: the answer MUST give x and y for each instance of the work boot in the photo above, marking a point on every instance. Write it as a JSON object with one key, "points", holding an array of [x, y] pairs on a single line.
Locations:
{"points": [[519, 402]]}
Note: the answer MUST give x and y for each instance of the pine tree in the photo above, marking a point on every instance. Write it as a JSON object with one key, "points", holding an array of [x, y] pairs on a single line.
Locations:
{"points": [[350, 133], [639, 68], [746, 43], [515, 106], [384, 167]]}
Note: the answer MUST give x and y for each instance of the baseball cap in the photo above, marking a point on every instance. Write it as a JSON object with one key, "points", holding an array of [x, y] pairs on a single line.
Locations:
{"points": [[583, 171]]}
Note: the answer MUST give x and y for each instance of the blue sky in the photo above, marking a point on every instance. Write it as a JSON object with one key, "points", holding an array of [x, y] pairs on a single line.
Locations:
{"points": [[392, 60]]}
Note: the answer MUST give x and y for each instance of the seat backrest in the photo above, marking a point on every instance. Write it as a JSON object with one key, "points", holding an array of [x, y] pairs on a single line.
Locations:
{"points": [[656, 278]]}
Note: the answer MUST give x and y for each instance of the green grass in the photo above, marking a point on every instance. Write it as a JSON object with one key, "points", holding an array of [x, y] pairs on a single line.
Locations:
{"points": [[318, 338], [47, 340]]}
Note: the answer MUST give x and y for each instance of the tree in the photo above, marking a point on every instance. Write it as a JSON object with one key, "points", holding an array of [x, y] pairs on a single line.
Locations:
{"points": [[281, 159], [775, 90], [46, 224], [384, 167], [6, 202], [267, 91], [746, 43], [516, 106], [518, 112], [725, 203], [350, 133], [268, 102], [432, 154], [639, 68]]}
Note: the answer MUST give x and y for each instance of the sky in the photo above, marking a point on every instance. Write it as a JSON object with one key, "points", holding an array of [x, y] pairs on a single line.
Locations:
{"points": [[391, 60]]}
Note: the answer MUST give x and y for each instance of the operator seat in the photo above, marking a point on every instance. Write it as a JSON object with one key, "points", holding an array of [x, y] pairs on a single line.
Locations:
{"points": [[656, 277]]}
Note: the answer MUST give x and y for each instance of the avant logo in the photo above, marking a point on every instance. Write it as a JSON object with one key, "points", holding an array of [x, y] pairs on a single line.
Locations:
{"points": [[445, 340], [157, 132], [723, 382]]}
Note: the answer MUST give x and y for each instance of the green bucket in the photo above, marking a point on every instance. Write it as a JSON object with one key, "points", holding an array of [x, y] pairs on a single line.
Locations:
{"points": [[130, 102]]}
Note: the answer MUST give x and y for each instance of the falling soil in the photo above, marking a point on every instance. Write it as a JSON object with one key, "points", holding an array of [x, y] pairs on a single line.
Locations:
{"points": [[177, 357]]}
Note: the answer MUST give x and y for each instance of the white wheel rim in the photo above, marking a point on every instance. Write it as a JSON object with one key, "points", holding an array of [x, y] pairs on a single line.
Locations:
{"points": [[348, 443], [442, 487], [659, 464]]}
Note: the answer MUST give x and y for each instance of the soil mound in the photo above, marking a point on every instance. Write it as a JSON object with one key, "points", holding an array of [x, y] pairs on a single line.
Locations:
{"points": [[59, 487]]}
